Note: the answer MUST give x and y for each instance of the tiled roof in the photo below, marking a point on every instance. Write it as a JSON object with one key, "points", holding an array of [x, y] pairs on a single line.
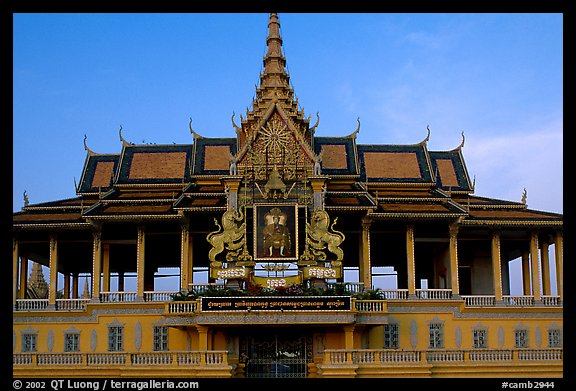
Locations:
{"points": [[98, 174], [338, 155], [212, 155], [145, 164], [451, 170], [394, 163]]}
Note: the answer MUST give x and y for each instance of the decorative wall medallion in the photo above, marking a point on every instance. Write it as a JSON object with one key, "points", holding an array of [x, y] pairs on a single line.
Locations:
{"points": [[50, 340], [500, 337], [458, 337], [138, 336], [93, 340], [413, 334]]}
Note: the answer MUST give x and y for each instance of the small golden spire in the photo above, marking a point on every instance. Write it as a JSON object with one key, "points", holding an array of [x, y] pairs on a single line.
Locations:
{"points": [[524, 196]]}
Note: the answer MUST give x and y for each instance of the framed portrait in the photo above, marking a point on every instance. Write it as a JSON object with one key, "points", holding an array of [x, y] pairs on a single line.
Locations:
{"points": [[275, 232]]}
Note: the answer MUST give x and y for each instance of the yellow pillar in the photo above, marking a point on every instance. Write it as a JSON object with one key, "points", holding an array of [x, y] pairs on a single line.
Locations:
{"points": [[454, 259], [526, 273], [140, 256], [96, 264], [184, 256], [559, 255], [545, 261], [53, 270], [535, 265], [349, 337], [23, 276], [106, 267], [202, 342], [15, 257], [496, 266], [410, 259], [366, 277]]}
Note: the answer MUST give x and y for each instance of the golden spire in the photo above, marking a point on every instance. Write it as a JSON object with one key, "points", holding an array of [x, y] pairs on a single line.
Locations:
{"points": [[275, 81]]}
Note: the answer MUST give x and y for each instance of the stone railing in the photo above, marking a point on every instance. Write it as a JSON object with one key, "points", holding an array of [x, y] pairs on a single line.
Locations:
{"points": [[31, 304], [158, 297], [118, 297], [71, 304], [362, 305], [378, 356], [182, 307], [511, 301], [192, 358], [434, 294]]}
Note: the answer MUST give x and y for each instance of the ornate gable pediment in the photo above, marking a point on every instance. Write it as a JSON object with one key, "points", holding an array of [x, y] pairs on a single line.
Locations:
{"points": [[275, 142]]}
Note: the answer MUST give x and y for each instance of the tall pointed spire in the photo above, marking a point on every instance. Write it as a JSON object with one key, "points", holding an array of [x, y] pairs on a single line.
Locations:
{"points": [[274, 90], [274, 81]]}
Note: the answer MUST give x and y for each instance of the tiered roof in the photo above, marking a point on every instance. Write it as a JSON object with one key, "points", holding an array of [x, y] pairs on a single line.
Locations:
{"points": [[166, 181]]}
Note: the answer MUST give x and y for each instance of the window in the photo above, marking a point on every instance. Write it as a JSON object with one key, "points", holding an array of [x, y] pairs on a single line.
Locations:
{"points": [[521, 338], [436, 335], [115, 340], [71, 342], [554, 338], [480, 337], [29, 342], [160, 338], [391, 336]]}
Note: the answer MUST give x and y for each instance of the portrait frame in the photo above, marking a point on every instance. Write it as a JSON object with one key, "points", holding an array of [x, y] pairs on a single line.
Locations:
{"points": [[269, 240]]}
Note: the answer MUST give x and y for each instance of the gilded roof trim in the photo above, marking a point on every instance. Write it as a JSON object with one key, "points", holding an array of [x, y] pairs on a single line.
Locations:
{"points": [[513, 222], [135, 217], [52, 225], [402, 215]]}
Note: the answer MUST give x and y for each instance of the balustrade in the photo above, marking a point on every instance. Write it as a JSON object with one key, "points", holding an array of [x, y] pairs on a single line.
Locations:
{"points": [[201, 357]]}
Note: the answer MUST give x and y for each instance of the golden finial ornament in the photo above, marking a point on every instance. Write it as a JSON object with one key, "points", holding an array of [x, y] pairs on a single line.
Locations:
{"points": [[524, 196], [90, 152]]}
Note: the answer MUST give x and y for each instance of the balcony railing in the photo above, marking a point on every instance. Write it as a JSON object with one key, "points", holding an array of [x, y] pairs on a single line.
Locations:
{"points": [[472, 301], [378, 356], [200, 357]]}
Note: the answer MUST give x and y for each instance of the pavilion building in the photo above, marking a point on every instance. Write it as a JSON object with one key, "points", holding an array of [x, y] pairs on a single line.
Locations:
{"points": [[278, 237]]}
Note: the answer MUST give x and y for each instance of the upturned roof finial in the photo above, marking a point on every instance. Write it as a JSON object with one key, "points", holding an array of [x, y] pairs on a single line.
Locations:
{"points": [[524, 196]]}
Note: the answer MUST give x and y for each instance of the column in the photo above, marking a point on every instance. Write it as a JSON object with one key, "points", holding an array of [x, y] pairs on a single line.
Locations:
{"points": [[545, 261], [75, 285], [67, 286], [410, 260], [526, 273], [184, 256], [15, 247], [106, 267], [232, 183], [349, 337], [121, 281], [365, 266], [53, 270], [535, 266], [559, 255], [23, 276], [96, 264], [140, 256], [496, 266], [318, 189], [202, 341], [453, 228]]}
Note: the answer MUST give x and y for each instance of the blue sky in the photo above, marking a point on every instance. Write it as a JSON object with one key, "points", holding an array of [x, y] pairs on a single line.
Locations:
{"points": [[497, 77]]}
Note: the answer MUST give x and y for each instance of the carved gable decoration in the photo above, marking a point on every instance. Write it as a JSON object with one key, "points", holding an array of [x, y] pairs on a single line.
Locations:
{"points": [[275, 145]]}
